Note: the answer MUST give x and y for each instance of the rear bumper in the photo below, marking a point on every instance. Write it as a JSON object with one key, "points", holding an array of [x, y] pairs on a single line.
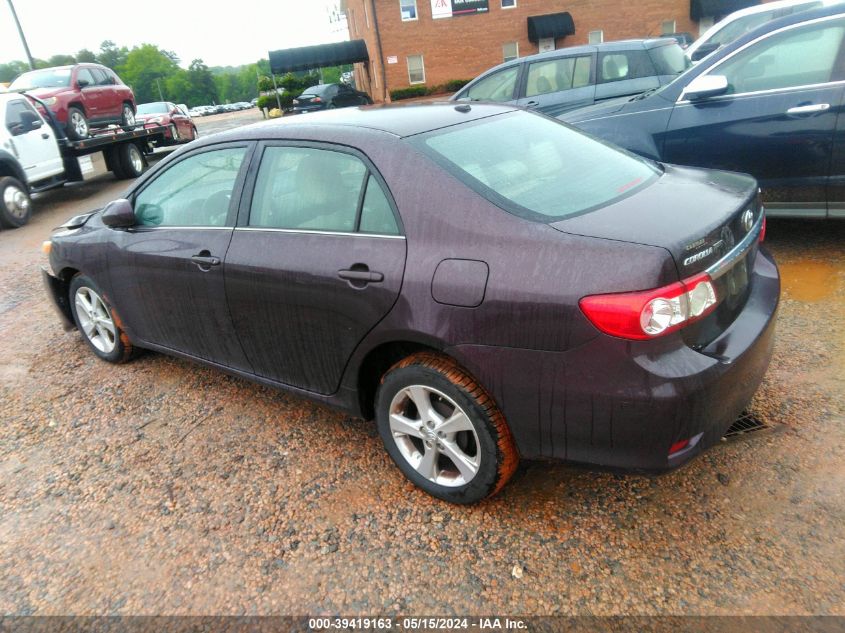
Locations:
{"points": [[57, 290], [623, 404]]}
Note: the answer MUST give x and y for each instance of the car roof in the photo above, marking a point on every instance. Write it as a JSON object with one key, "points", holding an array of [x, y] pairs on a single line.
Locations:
{"points": [[779, 23], [616, 45], [397, 119]]}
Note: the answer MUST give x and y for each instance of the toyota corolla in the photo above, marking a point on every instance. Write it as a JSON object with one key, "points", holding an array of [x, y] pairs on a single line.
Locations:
{"points": [[486, 283]]}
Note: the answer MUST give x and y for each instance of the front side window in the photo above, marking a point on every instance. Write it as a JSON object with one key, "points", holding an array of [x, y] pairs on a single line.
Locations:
{"points": [[14, 110], [496, 87], [310, 189], [196, 191], [798, 57], [408, 9], [510, 51], [84, 76], [535, 167], [618, 66], [558, 74], [416, 69]]}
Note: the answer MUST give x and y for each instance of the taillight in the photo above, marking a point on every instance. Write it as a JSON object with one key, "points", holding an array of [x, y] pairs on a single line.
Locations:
{"points": [[763, 231], [651, 313]]}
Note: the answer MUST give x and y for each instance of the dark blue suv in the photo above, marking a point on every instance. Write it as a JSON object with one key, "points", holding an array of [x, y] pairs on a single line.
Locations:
{"points": [[767, 104]]}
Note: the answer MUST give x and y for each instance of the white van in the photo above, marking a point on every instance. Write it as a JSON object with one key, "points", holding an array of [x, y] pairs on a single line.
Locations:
{"points": [[740, 22]]}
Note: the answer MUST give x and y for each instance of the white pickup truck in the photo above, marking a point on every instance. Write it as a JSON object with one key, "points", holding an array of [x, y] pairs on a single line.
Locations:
{"points": [[35, 154]]}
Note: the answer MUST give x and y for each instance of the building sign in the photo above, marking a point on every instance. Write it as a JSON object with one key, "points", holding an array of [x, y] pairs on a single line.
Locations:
{"points": [[448, 8], [392, 59]]}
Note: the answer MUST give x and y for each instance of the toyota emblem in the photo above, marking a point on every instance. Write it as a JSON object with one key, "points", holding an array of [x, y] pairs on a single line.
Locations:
{"points": [[747, 220]]}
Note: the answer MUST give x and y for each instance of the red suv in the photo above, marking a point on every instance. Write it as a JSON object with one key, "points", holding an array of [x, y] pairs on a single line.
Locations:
{"points": [[81, 96]]}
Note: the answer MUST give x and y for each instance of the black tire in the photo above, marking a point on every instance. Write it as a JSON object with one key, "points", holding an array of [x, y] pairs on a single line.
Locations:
{"points": [[127, 116], [196, 133], [130, 161], [15, 203], [77, 124], [109, 343], [488, 443]]}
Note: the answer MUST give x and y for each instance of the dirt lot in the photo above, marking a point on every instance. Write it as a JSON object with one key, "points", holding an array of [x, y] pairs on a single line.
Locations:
{"points": [[160, 487]]}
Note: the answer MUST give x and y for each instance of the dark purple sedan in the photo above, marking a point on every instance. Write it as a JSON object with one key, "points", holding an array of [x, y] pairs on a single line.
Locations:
{"points": [[487, 283]]}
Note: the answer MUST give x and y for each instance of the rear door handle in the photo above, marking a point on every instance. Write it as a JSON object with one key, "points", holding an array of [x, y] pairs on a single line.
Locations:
{"points": [[808, 109], [365, 276], [204, 260]]}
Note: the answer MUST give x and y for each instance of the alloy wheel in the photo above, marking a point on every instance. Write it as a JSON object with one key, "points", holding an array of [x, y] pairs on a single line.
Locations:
{"points": [[78, 124], [128, 116], [95, 320], [435, 436]]}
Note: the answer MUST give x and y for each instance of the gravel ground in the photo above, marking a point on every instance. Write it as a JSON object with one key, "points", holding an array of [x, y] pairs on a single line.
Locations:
{"points": [[160, 487]]}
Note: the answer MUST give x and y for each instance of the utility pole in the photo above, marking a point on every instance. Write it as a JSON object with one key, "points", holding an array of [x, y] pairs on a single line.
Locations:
{"points": [[23, 39], [160, 96]]}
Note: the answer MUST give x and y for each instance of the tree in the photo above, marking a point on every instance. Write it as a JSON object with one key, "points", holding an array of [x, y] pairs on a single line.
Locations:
{"points": [[203, 88], [86, 57], [112, 56], [146, 70], [61, 60], [8, 72]]}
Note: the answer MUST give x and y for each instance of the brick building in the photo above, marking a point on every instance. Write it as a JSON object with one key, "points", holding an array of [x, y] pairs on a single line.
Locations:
{"points": [[429, 42]]}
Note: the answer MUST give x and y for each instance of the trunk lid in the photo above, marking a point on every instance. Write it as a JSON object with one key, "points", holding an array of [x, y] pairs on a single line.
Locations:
{"points": [[703, 218]]}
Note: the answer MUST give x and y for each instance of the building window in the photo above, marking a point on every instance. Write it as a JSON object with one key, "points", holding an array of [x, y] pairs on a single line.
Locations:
{"points": [[508, 4], [510, 51], [408, 8], [668, 27], [416, 69], [595, 37]]}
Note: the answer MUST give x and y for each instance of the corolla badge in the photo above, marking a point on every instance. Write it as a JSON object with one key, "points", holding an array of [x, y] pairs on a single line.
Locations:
{"points": [[747, 220]]}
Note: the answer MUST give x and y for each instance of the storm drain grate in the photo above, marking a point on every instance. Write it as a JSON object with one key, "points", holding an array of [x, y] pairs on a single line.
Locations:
{"points": [[745, 423]]}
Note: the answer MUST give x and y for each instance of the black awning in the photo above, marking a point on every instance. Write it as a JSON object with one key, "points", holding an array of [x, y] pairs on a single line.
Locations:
{"points": [[708, 8], [551, 25], [320, 56]]}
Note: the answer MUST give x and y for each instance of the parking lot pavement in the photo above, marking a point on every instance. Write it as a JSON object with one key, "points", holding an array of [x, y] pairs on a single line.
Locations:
{"points": [[163, 487]]}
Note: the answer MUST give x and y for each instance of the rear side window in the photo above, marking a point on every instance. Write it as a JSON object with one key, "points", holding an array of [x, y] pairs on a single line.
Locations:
{"points": [[669, 60], [496, 87], [798, 57], [557, 74], [314, 189], [535, 167], [621, 65]]}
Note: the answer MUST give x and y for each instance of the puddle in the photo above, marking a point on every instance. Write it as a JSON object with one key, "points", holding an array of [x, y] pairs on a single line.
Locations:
{"points": [[809, 280]]}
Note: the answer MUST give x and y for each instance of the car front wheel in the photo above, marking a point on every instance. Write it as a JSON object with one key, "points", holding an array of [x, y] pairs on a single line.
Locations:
{"points": [[443, 429], [77, 124], [96, 321]]}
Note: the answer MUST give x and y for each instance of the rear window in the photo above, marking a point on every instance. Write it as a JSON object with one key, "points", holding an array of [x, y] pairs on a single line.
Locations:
{"points": [[318, 90], [669, 60], [535, 167]]}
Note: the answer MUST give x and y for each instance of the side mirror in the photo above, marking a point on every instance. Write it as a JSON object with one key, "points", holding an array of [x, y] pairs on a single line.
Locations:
{"points": [[119, 214], [706, 86], [30, 120], [83, 83], [704, 50]]}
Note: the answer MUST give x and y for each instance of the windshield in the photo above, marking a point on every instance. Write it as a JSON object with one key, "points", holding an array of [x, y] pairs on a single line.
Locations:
{"points": [[153, 108], [669, 60], [50, 78], [536, 167]]}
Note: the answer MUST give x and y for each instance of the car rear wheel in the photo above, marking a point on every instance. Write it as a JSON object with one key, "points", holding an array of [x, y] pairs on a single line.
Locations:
{"points": [[77, 124], [15, 204], [96, 321], [443, 429], [196, 134], [127, 118], [131, 161]]}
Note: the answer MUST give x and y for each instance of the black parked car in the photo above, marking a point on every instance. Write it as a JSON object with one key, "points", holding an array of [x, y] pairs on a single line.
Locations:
{"points": [[767, 104], [560, 80], [328, 96], [527, 292]]}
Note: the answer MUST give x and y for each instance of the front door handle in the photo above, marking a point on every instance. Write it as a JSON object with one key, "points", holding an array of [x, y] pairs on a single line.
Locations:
{"points": [[808, 109], [45, 136], [205, 260], [531, 104]]}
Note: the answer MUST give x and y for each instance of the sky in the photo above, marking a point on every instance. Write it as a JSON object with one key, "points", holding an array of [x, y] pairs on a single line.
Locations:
{"points": [[220, 33]]}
